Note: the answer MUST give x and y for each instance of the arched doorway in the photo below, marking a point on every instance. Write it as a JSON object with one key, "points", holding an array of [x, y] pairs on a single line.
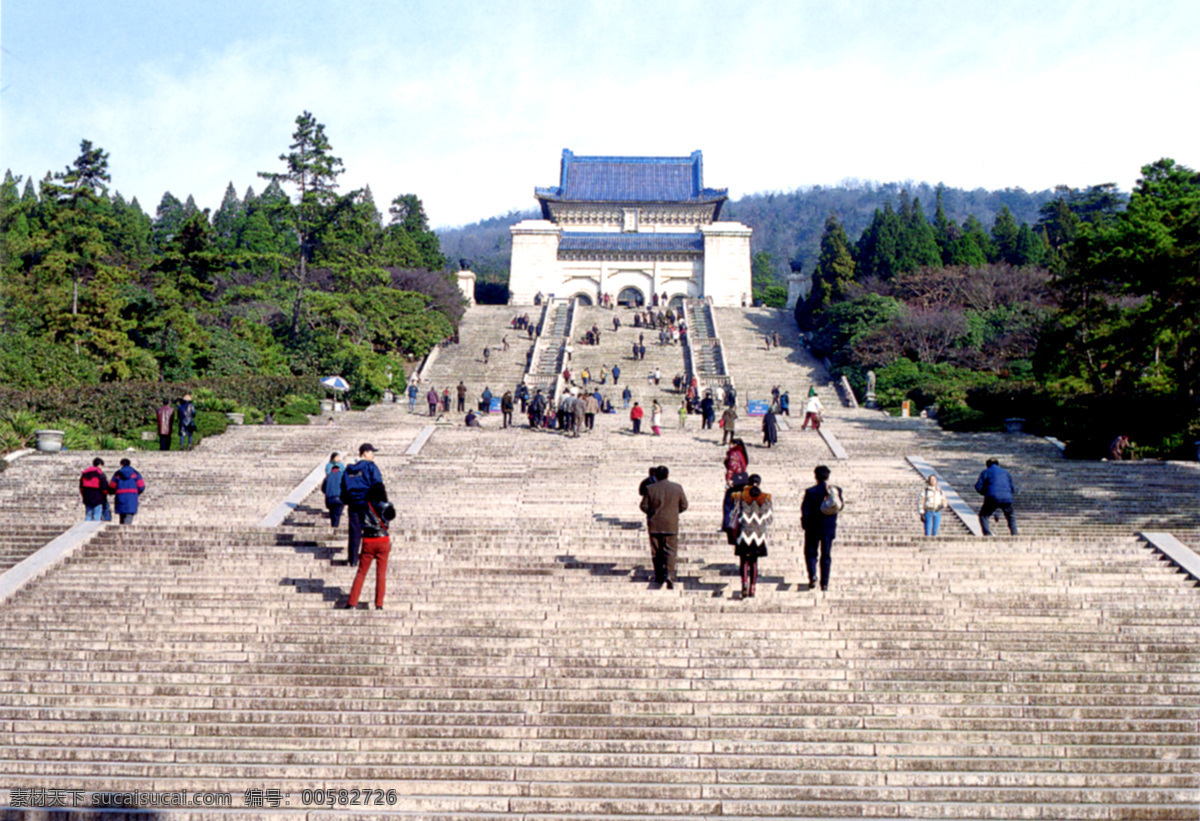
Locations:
{"points": [[676, 303], [631, 298], [584, 299]]}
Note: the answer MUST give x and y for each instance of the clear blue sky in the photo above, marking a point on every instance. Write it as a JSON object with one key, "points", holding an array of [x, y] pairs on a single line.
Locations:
{"points": [[469, 104]]}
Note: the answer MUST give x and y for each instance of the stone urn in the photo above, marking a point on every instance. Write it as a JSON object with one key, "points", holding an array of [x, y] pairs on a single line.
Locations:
{"points": [[49, 441], [236, 418], [1014, 424]]}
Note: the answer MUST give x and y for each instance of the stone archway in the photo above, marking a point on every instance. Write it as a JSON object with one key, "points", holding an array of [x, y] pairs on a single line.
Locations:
{"points": [[676, 302], [631, 297], [584, 298]]}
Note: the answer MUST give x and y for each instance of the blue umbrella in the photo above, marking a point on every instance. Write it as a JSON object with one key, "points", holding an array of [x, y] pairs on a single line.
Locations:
{"points": [[335, 383]]}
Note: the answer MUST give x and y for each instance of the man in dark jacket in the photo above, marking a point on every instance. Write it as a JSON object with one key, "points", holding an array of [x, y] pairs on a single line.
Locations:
{"points": [[187, 422], [506, 407], [662, 504], [94, 488], [820, 529], [997, 489], [362, 483], [127, 486]]}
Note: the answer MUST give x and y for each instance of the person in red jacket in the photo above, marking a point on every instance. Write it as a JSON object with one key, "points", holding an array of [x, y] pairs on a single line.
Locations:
{"points": [[635, 416], [94, 488]]}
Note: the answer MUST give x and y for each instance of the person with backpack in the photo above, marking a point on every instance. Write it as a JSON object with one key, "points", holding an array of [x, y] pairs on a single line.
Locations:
{"points": [[127, 486], [362, 484], [930, 505], [187, 422], [818, 518], [333, 492], [754, 514], [376, 544]]}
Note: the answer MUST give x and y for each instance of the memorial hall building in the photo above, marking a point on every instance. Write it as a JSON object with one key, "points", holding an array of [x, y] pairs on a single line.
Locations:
{"points": [[630, 227]]}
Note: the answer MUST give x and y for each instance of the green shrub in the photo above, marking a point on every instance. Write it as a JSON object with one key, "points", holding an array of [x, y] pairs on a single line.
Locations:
{"points": [[28, 363], [209, 423], [306, 404], [291, 416], [120, 407], [253, 416], [77, 435]]}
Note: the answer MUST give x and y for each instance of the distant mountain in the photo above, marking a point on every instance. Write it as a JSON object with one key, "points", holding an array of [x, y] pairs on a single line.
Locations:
{"points": [[786, 225]]}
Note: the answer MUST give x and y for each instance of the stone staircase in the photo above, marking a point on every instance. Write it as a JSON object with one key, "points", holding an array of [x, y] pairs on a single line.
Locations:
{"points": [[705, 358], [616, 348], [522, 668], [484, 327], [549, 356]]}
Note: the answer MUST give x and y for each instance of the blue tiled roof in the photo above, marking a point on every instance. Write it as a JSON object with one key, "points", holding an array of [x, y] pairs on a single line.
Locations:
{"points": [[631, 243], [631, 179]]}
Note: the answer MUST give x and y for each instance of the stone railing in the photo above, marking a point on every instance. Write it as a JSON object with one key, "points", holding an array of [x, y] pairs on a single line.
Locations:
{"points": [[710, 342]]}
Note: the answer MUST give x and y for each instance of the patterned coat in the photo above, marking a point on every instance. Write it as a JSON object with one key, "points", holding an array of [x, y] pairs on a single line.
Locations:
{"points": [[754, 516]]}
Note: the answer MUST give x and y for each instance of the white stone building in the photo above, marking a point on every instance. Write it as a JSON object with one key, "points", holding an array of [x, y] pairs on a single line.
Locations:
{"points": [[631, 227]]}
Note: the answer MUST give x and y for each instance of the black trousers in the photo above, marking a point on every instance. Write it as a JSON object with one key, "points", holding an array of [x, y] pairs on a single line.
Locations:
{"points": [[355, 514], [461, 403], [664, 548], [164, 441], [990, 506], [817, 543]]}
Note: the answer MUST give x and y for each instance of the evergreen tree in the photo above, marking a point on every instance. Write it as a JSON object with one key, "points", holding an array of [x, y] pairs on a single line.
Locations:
{"points": [[1031, 249], [878, 246], [313, 170], [973, 229], [834, 272], [167, 220], [944, 231], [130, 234], [29, 196], [918, 246], [1130, 302], [1005, 232], [408, 242], [228, 220]]}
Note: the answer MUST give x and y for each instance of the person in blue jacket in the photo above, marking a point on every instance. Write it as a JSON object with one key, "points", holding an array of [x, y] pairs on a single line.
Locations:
{"points": [[997, 489], [362, 483], [333, 492], [127, 485]]}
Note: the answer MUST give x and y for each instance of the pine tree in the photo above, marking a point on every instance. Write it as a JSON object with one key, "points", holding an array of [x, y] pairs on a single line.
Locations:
{"points": [[313, 170], [1004, 235], [879, 245], [974, 231], [944, 231], [833, 275], [228, 220], [167, 220], [917, 247]]}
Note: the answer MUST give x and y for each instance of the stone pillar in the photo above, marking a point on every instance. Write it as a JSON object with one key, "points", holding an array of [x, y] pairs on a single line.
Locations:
{"points": [[798, 286], [534, 264], [466, 284], [726, 262]]}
